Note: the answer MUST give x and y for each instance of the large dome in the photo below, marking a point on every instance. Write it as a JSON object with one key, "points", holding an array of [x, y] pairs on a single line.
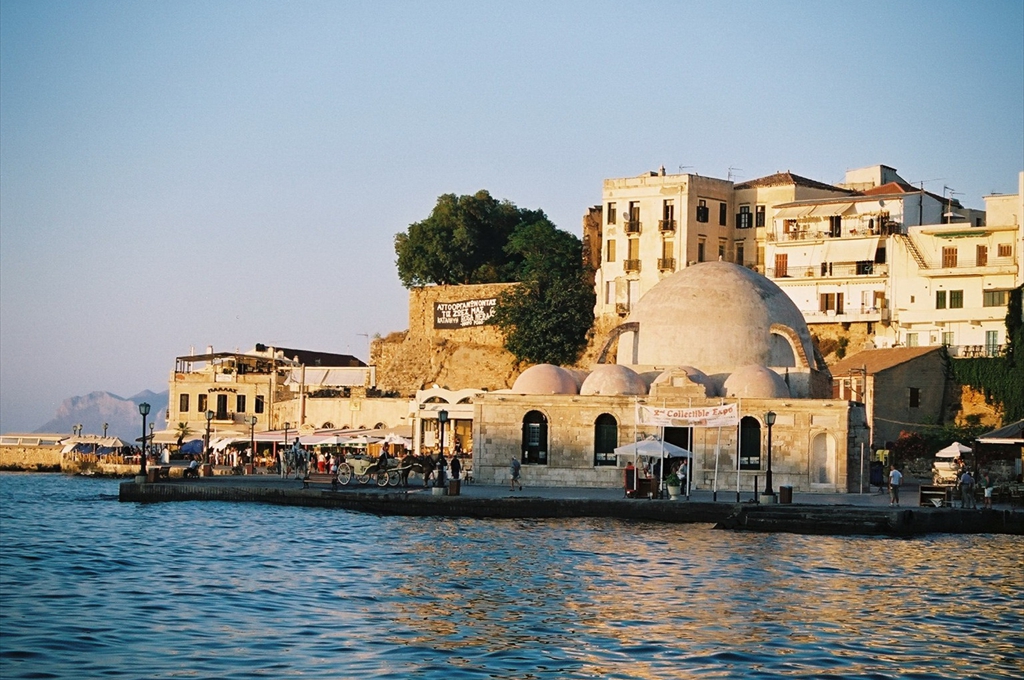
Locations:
{"points": [[717, 316], [613, 380], [546, 379]]}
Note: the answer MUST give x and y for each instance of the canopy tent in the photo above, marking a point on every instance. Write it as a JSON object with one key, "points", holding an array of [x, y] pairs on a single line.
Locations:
{"points": [[954, 450], [192, 446], [652, 448], [1010, 434], [170, 436]]}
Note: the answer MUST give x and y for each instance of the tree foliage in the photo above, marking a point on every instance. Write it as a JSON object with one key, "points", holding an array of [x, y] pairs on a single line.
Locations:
{"points": [[463, 241], [478, 239]]}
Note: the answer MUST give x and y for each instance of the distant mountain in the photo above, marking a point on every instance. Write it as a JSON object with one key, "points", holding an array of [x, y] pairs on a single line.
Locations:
{"points": [[120, 414]]}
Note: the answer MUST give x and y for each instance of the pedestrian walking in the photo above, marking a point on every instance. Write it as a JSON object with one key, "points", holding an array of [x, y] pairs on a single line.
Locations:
{"points": [[989, 488], [895, 480], [514, 468]]}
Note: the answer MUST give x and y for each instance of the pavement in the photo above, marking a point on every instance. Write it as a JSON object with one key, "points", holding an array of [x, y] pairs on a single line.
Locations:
{"points": [[908, 493]]}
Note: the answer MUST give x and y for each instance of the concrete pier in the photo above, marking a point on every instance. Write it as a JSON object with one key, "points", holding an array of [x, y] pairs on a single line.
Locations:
{"points": [[483, 501]]}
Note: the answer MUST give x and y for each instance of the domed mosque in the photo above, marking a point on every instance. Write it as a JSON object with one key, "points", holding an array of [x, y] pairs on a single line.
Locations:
{"points": [[712, 335]]}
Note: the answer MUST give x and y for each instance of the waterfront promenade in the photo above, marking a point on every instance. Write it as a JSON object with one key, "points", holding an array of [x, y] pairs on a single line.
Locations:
{"points": [[839, 514]]}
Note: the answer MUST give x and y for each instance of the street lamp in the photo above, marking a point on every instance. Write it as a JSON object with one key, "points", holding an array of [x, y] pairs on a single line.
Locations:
{"points": [[105, 429], [769, 418], [252, 442], [441, 419], [144, 411], [152, 426], [206, 443], [286, 426]]}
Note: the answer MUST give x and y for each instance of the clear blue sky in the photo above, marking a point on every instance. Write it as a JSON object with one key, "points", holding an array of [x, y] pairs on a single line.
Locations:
{"points": [[177, 174]]}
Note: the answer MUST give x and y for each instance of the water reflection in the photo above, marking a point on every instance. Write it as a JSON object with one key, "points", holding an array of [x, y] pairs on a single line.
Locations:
{"points": [[94, 588]]}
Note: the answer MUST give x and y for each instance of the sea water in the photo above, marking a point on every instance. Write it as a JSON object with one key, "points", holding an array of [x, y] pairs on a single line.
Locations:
{"points": [[94, 588]]}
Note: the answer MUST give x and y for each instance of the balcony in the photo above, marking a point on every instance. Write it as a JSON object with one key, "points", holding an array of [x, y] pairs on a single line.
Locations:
{"points": [[976, 351], [831, 271], [667, 264], [666, 225], [632, 226], [631, 265]]}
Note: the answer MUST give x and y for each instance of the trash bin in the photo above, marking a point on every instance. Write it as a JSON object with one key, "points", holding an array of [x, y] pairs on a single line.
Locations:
{"points": [[785, 494], [454, 487]]}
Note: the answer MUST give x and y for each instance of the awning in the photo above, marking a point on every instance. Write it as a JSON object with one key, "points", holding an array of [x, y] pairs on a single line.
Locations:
{"points": [[793, 212], [851, 250], [830, 209], [353, 376]]}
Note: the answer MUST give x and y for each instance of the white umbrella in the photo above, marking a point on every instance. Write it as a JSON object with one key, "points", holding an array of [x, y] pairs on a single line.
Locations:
{"points": [[652, 448], [954, 450]]}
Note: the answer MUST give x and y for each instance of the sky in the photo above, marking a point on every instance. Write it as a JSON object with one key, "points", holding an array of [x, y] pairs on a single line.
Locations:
{"points": [[187, 174]]}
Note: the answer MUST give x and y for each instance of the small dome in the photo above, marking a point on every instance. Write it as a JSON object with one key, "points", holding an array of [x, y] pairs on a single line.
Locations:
{"points": [[756, 382], [613, 380], [545, 379]]}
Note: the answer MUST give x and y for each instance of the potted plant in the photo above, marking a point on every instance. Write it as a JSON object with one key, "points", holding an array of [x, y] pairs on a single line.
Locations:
{"points": [[675, 486]]}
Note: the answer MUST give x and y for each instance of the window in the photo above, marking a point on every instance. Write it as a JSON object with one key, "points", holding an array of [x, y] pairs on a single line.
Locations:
{"points": [[611, 213], [911, 339], [633, 218], [940, 299], [915, 397], [949, 257], [831, 302], [609, 292], [201, 403], [606, 438], [723, 213], [956, 299], [222, 407], [750, 444], [535, 438], [183, 403], [781, 265], [994, 298], [788, 226], [700, 250], [947, 339], [739, 253], [240, 403], [745, 219], [721, 249], [702, 210], [611, 250], [991, 343], [259, 405], [759, 219], [835, 226], [982, 256], [1004, 250], [667, 248], [633, 250], [668, 215]]}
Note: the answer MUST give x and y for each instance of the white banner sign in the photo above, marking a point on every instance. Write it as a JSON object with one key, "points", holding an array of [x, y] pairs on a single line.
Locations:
{"points": [[726, 415]]}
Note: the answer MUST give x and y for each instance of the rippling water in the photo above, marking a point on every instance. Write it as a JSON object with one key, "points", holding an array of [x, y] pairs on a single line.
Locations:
{"points": [[93, 588]]}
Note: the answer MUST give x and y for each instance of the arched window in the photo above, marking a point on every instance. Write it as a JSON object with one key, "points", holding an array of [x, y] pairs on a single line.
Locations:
{"points": [[750, 444], [535, 438], [606, 438], [327, 426], [823, 459], [379, 426]]}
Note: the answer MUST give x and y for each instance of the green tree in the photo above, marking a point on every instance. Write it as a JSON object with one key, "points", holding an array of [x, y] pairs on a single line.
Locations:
{"points": [[546, 319], [463, 241]]}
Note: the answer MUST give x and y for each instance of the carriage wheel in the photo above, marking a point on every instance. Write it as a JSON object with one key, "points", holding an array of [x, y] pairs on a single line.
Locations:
{"points": [[382, 479], [394, 478], [363, 478], [344, 474]]}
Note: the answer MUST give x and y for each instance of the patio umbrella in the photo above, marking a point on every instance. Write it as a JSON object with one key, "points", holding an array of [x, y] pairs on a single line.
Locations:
{"points": [[954, 450]]}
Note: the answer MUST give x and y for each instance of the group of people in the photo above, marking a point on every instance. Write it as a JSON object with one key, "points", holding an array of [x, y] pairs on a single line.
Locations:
{"points": [[965, 482]]}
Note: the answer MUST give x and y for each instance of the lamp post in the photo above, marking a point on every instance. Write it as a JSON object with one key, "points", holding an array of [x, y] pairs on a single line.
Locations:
{"points": [[152, 426], [286, 426], [252, 442], [206, 442], [442, 418], [769, 418], [144, 411], [105, 425]]}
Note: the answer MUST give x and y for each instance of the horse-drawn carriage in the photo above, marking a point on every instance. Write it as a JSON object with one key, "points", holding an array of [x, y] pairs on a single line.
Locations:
{"points": [[364, 469]]}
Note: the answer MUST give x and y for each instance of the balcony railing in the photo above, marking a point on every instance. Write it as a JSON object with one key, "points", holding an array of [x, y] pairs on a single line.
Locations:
{"points": [[974, 351], [631, 265], [832, 271], [666, 264], [632, 226], [666, 225]]}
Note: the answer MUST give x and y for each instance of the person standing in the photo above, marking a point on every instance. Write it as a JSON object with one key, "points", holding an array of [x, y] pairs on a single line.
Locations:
{"points": [[967, 491], [989, 488], [455, 466], [515, 468], [895, 480]]}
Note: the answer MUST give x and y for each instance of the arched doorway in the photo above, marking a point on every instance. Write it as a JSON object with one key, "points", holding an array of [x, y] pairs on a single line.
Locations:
{"points": [[823, 460], [750, 443], [606, 438], [535, 438]]}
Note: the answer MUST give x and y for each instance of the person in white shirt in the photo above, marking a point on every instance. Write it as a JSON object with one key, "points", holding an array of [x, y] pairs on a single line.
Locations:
{"points": [[895, 479]]}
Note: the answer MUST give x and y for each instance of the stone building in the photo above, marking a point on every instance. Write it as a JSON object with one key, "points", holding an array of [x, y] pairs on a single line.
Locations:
{"points": [[712, 335]]}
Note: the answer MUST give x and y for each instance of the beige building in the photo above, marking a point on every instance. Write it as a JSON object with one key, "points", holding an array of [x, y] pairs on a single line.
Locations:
{"points": [[902, 388], [714, 335]]}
